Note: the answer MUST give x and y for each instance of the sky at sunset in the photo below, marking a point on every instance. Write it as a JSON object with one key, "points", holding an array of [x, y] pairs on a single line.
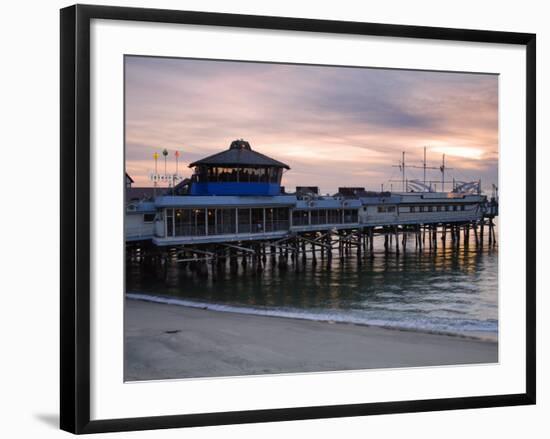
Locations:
{"points": [[334, 126]]}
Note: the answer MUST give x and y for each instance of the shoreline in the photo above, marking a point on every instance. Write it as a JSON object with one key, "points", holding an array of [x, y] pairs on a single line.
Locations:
{"points": [[166, 341], [268, 312]]}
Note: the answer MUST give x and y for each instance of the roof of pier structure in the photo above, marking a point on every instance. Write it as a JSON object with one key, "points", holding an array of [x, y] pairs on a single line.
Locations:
{"points": [[240, 154], [225, 201]]}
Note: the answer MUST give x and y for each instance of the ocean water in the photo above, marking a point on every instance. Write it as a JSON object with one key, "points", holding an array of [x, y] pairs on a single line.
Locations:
{"points": [[451, 290]]}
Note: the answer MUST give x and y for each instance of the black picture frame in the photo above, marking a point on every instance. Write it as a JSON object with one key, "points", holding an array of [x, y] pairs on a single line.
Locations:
{"points": [[75, 217]]}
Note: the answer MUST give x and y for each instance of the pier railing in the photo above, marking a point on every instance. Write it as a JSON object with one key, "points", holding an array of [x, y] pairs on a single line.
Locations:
{"points": [[139, 232], [184, 230]]}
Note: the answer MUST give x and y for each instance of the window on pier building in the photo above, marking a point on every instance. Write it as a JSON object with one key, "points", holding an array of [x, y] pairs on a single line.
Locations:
{"points": [[224, 221], [201, 174], [225, 175], [412, 209], [319, 216], [274, 175], [334, 216], [200, 221], [385, 209], [300, 217], [254, 175], [276, 218], [258, 175], [447, 208], [270, 215], [257, 220], [264, 177], [185, 222], [455, 208], [351, 216], [430, 208], [462, 207], [211, 218], [250, 220], [243, 225], [323, 216], [438, 208], [212, 174], [242, 175], [421, 208]]}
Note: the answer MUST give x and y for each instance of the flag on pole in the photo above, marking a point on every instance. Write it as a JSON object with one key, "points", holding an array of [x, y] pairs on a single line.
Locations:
{"points": [[156, 156]]}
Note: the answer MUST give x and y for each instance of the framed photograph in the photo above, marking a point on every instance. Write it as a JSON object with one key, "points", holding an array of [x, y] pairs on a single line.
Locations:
{"points": [[268, 218]]}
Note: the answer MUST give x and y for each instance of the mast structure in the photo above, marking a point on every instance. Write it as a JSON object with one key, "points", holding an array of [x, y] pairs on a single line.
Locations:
{"points": [[403, 170], [402, 167], [442, 168], [443, 174], [424, 166]]}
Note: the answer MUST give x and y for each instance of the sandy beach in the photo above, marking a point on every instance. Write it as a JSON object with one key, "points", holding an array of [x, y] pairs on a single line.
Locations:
{"points": [[170, 341]]}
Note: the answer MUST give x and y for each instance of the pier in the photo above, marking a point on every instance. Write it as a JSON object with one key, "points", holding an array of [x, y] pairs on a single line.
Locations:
{"points": [[234, 212]]}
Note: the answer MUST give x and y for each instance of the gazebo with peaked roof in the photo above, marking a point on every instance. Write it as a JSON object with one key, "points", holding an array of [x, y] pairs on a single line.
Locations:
{"points": [[238, 170]]}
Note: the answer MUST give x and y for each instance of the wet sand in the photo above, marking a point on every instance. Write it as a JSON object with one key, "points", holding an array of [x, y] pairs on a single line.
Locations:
{"points": [[170, 341]]}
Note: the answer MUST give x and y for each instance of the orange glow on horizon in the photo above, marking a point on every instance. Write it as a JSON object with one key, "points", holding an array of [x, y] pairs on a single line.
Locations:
{"points": [[460, 151]]}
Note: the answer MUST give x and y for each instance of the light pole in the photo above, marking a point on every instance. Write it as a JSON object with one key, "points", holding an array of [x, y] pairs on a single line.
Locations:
{"points": [[155, 157], [165, 154]]}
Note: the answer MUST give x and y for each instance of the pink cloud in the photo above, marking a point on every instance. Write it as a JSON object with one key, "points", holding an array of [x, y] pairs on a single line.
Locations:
{"points": [[333, 126]]}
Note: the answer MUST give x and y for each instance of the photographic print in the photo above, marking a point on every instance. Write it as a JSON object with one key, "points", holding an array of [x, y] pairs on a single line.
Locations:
{"points": [[294, 218]]}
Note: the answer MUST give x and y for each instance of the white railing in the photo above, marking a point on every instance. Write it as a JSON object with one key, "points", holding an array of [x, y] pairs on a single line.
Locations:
{"points": [[198, 239], [142, 231], [424, 217]]}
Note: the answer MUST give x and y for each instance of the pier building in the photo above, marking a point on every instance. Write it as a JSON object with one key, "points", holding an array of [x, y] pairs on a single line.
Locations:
{"points": [[237, 171]]}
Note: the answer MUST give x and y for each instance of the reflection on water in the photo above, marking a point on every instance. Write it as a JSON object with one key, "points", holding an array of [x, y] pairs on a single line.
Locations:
{"points": [[450, 290]]}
